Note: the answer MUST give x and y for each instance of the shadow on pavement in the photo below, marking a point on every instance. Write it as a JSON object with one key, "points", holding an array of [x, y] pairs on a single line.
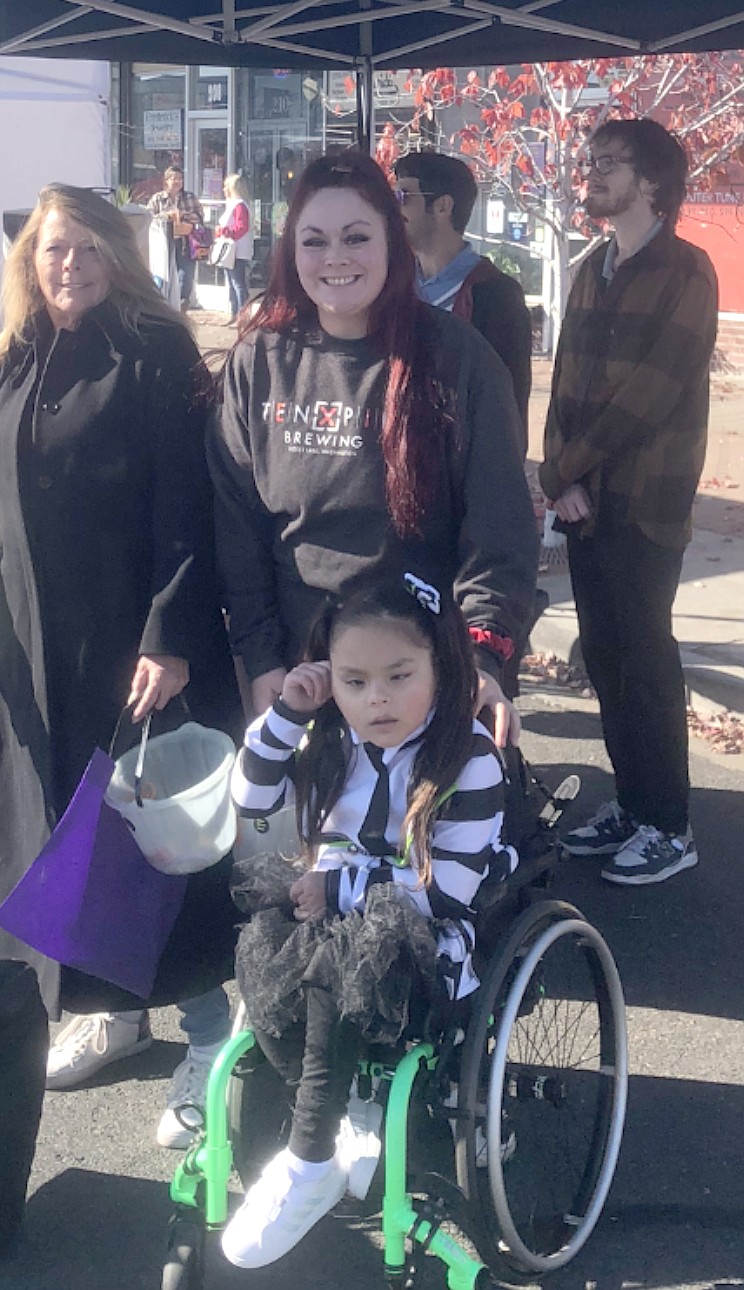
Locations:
{"points": [[670, 1219], [96, 1231]]}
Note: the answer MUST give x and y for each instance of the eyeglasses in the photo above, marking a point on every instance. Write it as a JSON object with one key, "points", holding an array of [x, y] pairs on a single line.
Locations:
{"points": [[403, 196], [603, 165]]}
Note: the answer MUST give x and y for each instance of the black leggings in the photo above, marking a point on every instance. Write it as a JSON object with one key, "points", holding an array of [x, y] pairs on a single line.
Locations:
{"points": [[316, 1061]]}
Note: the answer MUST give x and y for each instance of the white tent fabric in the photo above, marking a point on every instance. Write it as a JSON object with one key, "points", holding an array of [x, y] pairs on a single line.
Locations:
{"points": [[54, 126]]}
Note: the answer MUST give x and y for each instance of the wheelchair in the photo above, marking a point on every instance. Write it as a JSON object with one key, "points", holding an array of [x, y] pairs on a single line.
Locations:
{"points": [[529, 1138]]}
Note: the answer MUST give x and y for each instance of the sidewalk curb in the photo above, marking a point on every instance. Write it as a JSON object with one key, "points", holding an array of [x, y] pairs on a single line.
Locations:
{"points": [[712, 686]]}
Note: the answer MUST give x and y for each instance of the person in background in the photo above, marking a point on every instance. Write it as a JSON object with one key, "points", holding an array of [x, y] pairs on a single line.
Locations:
{"points": [[362, 430], [235, 223], [624, 447], [107, 593], [437, 194], [181, 211]]}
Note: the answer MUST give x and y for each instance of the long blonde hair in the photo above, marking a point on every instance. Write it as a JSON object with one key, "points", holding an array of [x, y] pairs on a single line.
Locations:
{"points": [[237, 187], [132, 292]]}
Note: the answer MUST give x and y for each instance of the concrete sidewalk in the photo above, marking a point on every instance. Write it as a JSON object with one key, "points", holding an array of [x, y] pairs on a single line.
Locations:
{"points": [[708, 621]]}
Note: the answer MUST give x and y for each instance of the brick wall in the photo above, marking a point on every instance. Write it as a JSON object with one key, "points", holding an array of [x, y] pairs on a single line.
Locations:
{"points": [[730, 344]]}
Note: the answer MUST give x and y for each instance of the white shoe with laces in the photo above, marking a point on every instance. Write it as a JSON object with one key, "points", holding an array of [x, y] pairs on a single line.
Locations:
{"points": [[89, 1043], [184, 1113], [603, 834], [278, 1210], [651, 856]]}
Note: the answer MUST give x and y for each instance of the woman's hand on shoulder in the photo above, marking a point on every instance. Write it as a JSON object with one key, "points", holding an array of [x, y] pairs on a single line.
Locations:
{"points": [[308, 895], [158, 678], [307, 687], [507, 724]]}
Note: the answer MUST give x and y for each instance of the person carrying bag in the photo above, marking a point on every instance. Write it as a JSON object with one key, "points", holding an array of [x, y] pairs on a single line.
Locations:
{"points": [[233, 249]]}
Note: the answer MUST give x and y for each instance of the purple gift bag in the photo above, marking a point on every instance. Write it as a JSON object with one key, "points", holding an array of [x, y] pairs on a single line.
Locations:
{"points": [[90, 900]]}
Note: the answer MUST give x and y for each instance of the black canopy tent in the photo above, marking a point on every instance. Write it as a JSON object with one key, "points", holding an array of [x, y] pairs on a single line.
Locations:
{"points": [[364, 35]]}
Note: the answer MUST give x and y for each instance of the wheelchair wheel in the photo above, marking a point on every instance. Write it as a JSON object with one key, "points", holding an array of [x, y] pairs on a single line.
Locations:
{"points": [[542, 1091], [184, 1268]]}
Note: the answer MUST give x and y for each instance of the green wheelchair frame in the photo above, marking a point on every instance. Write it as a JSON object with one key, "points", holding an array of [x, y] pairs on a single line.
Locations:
{"points": [[490, 1079]]}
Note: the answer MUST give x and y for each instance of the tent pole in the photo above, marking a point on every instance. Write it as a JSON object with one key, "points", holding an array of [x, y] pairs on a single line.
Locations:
{"points": [[365, 106], [365, 86]]}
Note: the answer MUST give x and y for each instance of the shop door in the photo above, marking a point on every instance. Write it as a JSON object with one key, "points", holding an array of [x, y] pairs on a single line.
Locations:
{"points": [[210, 164], [276, 156]]}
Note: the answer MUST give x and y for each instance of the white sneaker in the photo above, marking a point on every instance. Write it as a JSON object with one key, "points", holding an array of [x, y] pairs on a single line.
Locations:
{"points": [[358, 1144], [651, 856], [89, 1043], [184, 1113], [278, 1211]]}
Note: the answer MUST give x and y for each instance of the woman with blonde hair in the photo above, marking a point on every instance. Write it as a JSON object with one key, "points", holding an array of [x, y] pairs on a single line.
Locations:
{"points": [[235, 223], [107, 594]]}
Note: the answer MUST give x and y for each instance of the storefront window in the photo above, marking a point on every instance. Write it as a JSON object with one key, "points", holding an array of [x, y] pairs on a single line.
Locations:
{"points": [[279, 130], [210, 89], [211, 161], [157, 126]]}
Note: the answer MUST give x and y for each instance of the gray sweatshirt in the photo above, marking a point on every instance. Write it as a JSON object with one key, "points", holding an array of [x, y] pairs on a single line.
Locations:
{"points": [[298, 472]]}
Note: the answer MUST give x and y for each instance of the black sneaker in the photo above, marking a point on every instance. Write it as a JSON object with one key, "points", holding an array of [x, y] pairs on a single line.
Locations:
{"points": [[608, 830], [651, 856]]}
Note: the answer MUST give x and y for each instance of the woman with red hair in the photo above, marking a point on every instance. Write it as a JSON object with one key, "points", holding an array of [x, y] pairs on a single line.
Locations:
{"points": [[365, 431]]}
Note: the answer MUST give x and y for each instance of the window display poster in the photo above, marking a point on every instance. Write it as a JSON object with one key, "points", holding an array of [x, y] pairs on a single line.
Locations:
{"points": [[163, 130], [212, 180]]}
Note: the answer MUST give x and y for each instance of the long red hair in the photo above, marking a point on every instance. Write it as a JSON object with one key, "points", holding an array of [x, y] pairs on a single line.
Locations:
{"points": [[412, 412]]}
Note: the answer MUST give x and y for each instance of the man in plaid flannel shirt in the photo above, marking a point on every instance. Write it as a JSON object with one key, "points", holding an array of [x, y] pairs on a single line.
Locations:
{"points": [[178, 207], [624, 448]]}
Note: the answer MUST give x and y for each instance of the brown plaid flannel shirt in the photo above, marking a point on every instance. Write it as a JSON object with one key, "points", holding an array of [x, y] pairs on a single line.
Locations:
{"points": [[629, 407], [187, 204]]}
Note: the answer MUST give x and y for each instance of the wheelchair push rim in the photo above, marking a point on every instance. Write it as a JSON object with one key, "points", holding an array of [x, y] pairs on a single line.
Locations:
{"points": [[557, 1090]]}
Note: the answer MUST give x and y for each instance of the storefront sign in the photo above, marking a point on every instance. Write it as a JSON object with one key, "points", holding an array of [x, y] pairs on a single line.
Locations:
{"points": [[163, 130], [391, 89], [494, 216]]}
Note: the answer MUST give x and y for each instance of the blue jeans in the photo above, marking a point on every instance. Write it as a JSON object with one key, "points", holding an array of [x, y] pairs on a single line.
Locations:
{"points": [[185, 267], [237, 286], [206, 1018]]}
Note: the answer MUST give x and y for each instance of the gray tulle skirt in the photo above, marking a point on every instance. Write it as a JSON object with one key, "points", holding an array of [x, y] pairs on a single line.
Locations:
{"points": [[381, 966]]}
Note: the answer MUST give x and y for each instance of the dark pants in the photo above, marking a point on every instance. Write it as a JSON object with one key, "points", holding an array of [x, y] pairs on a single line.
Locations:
{"points": [[237, 286], [317, 1062], [624, 587], [24, 1041]]}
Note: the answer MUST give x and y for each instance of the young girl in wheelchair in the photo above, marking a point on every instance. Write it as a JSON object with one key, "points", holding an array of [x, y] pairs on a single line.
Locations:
{"points": [[399, 798]]}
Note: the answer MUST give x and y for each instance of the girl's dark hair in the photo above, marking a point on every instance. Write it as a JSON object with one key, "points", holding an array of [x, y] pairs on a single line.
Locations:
{"points": [[412, 412], [447, 742]]}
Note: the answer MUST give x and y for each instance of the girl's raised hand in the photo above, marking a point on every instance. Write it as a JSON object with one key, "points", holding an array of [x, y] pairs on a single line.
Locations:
{"points": [[307, 687]]}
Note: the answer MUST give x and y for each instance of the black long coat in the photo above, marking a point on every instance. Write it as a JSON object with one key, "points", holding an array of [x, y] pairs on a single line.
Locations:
{"points": [[105, 554]]}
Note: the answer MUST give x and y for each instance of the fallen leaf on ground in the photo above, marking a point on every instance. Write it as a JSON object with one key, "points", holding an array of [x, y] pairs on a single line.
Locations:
{"points": [[721, 731], [548, 668]]}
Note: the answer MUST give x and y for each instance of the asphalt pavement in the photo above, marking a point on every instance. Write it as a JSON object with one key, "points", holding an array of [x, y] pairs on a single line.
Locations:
{"points": [[98, 1209]]}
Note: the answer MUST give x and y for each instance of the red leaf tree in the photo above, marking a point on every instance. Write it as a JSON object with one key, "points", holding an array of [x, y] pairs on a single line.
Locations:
{"points": [[527, 129]]}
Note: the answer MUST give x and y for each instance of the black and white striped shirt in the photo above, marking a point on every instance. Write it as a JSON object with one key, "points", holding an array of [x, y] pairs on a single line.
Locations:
{"points": [[361, 838]]}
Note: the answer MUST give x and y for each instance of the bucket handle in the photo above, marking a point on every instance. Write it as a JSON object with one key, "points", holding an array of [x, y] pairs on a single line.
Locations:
{"points": [[144, 737]]}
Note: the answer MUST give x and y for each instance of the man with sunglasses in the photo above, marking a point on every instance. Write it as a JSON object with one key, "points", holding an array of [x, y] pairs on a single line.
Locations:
{"points": [[624, 447], [437, 194]]}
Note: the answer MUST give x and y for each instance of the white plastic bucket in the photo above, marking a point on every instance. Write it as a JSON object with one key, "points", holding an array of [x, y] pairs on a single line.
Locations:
{"points": [[187, 820]]}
